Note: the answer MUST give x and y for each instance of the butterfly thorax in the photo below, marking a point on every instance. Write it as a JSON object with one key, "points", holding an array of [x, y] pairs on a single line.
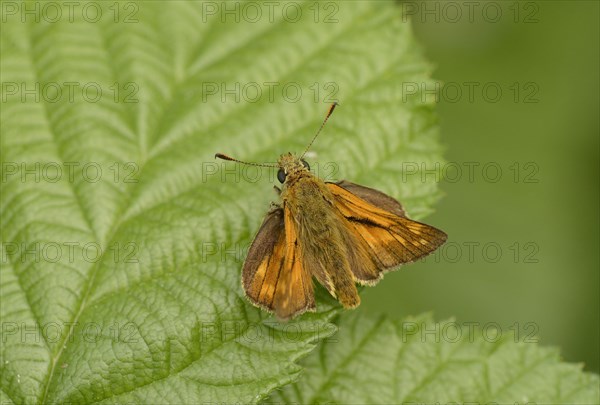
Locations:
{"points": [[306, 195]]}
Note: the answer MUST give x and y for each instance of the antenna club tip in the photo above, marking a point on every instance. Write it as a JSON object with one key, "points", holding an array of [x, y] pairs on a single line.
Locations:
{"points": [[335, 104]]}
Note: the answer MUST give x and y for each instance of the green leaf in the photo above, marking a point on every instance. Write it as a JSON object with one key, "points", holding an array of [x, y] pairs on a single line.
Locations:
{"points": [[122, 237], [417, 360]]}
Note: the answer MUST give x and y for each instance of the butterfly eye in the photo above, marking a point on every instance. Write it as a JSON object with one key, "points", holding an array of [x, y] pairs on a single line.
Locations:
{"points": [[305, 163], [281, 176]]}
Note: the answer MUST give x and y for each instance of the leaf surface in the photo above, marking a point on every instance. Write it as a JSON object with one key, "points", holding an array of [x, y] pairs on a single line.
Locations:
{"points": [[122, 237]]}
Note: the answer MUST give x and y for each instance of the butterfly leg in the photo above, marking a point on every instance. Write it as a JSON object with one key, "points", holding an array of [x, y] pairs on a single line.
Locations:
{"points": [[277, 190]]}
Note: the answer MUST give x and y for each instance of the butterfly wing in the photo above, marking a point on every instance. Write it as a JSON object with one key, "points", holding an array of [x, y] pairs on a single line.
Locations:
{"points": [[294, 294], [264, 261], [273, 277], [379, 223]]}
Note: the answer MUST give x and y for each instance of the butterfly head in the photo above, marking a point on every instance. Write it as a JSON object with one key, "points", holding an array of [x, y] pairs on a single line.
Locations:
{"points": [[290, 165]]}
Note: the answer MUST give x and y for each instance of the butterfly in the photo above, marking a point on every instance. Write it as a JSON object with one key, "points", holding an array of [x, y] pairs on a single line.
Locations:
{"points": [[339, 233]]}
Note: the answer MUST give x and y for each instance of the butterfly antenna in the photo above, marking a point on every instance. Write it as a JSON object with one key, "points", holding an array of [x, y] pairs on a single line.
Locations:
{"points": [[335, 104], [225, 157]]}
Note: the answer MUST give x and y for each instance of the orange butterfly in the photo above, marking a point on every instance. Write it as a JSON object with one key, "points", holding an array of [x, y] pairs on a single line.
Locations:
{"points": [[340, 233]]}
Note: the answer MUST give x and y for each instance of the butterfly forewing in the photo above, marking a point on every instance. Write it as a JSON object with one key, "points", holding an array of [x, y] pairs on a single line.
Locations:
{"points": [[273, 276], [265, 261], [391, 239], [294, 293]]}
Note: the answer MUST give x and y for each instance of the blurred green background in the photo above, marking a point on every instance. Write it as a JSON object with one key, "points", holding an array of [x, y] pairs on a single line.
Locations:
{"points": [[546, 220]]}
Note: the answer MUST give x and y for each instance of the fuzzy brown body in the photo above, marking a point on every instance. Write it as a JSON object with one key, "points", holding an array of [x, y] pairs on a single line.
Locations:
{"points": [[339, 233], [322, 233]]}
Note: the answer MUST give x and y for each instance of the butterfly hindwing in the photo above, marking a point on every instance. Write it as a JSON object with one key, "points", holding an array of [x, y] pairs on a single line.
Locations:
{"points": [[375, 197]]}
